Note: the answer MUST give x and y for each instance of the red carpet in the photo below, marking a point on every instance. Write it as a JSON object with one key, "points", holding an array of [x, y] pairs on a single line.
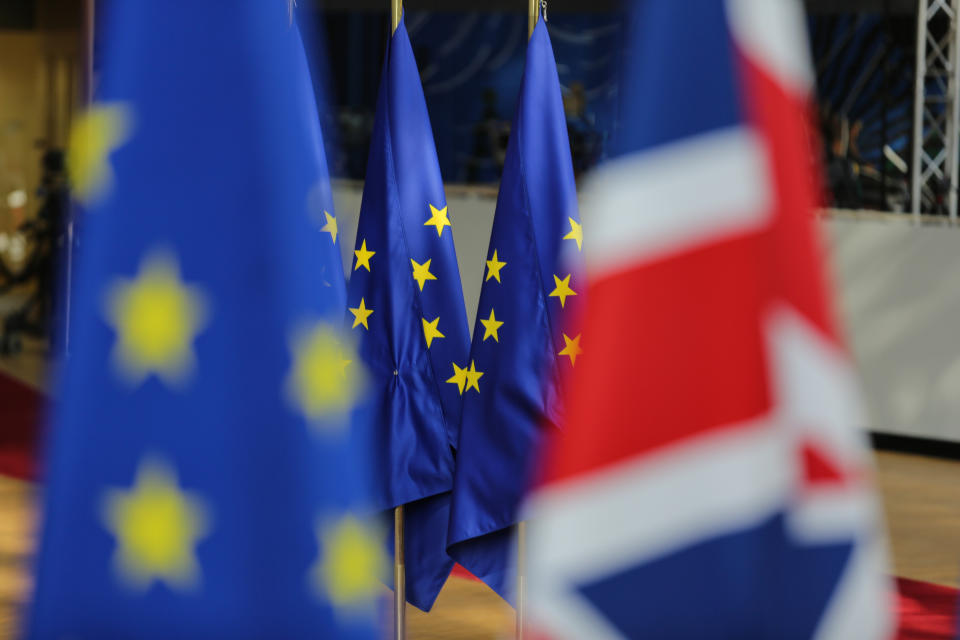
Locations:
{"points": [[461, 572], [20, 418], [927, 611]]}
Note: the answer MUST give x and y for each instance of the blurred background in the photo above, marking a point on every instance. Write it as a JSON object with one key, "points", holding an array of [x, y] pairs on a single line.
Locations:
{"points": [[470, 55], [471, 62]]}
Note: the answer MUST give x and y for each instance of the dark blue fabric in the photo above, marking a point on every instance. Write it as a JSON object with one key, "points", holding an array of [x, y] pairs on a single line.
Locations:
{"points": [[502, 423], [685, 90], [416, 412], [222, 163], [755, 583]]}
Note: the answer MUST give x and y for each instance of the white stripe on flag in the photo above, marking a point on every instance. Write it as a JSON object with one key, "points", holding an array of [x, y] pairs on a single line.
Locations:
{"points": [[644, 508], [773, 34], [695, 191]]}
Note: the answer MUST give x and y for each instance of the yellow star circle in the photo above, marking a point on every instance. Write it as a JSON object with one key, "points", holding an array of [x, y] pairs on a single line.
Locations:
{"points": [[575, 234], [351, 563], [157, 526], [430, 330], [491, 326], [438, 219], [459, 377], [493, 267], [321, 382], [330, 226], [363, 256], [156, 317], [571, 348], [473, 377], [421, 272], [360, 315], [562, 289], [94, 136]]}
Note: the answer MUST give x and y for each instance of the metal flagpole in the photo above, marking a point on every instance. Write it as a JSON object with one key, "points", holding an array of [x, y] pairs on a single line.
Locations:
{"points": [[399, 578], [916, 169], [396, 10], [399, 568], [521, 576], [89, 20], [89, 25], [533, 14]]}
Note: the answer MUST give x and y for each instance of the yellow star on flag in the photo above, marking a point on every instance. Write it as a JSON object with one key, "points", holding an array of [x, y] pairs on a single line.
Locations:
{"points": [[576, 233], [493, 267], [438, 219], [473, 377], [562, 289], [363, 256], [360, 315], [157, 527], [430, 330], [421, 272], [571, 349], [331, 226], [156, 317], [351, 563], [459, 377], [490, 327], [93, 137], [320, 382]]}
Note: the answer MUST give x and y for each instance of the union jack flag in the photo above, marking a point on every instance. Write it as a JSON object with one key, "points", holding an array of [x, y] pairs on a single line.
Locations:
{"points": [[712, 480]]}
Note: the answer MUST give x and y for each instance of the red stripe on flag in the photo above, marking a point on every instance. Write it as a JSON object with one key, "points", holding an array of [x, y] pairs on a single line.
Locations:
{"points": [[673, 350]]}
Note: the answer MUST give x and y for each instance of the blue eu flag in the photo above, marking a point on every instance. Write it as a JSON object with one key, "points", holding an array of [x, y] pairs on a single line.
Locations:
{"points": [[203, 478], [406, 308], [532, 287]]}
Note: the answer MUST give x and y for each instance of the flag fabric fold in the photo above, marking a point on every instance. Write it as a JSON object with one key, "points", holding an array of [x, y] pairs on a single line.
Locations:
{"points": [[522, 342], [203, 479], [407, 313], [710, 459]]}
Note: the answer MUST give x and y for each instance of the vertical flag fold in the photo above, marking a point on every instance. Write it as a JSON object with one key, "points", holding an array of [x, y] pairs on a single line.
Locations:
{"points": [[203, 478], [407, 312], [532, 290]]}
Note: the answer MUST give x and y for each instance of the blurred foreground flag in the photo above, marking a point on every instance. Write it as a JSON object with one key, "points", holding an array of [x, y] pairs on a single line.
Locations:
{"points": [[406, 310], [533, 287], [203, 480], [711, 481]]}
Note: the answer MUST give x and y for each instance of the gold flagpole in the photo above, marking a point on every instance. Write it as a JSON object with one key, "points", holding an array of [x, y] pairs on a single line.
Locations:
{"points": [[399, 567], [521, 575], [89, 32], [89, 24], [396, 10], [533, 14], [399, 578]]}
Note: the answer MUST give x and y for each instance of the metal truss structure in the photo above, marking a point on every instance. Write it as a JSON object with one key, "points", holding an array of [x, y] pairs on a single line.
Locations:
{"points": [[936, 109]]}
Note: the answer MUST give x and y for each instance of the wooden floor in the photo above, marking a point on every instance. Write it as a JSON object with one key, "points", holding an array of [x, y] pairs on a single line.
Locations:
{"points": [[921, 497]]}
